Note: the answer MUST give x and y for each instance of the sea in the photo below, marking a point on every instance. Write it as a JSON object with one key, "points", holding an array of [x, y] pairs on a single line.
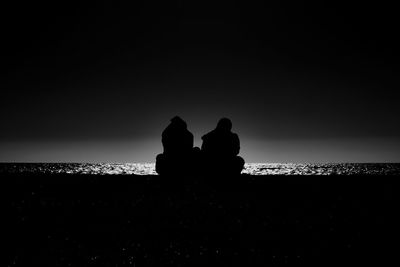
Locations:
{"points": [[250, 168]]}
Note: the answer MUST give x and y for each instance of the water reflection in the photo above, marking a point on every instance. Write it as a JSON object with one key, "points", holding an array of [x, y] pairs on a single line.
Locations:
{"points": [[250, 168]]}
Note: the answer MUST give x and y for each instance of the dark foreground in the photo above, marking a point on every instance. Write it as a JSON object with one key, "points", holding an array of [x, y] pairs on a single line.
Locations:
{"points": [[88, 220]]}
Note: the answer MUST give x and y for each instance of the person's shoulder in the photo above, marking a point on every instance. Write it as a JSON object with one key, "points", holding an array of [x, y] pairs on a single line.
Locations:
{"points": [[207, 135], [189, 133], [235, 135]]}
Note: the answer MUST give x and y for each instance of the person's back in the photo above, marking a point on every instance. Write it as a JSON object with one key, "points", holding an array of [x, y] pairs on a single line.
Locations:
{"points": [[176, 139], [219, 143], [221, 147], [177, 143]]}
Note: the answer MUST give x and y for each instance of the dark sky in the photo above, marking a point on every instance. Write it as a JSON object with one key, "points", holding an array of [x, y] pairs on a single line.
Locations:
{"points": [[90, 82]]}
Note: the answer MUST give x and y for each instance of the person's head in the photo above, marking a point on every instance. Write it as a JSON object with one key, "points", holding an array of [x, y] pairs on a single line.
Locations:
{"points": [[224, 124], [178, 122]]}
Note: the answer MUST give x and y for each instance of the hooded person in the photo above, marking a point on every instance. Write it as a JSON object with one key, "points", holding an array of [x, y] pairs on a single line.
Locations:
{"points": [[178, 149], [176, 139]]}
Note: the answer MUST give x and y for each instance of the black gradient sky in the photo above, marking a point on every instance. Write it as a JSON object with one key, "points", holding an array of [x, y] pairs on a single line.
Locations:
{"points": [[91, 82]]}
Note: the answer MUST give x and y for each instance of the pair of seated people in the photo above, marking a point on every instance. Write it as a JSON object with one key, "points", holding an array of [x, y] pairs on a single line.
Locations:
{"points": [[218, 153]]}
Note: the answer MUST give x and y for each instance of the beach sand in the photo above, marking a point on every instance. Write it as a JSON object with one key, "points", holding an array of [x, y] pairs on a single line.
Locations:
{"points": [[125, 220]]}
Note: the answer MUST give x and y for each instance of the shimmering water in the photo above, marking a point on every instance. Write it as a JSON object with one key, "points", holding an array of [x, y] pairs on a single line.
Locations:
{"points": [[250, 168]]}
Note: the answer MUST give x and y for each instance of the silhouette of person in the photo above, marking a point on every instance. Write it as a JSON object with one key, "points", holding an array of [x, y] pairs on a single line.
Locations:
{"points": [[221, 147], [178, 148], [176, 138]]}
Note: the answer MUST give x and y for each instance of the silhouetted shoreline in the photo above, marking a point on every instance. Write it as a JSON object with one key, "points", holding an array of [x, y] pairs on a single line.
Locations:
{"points": [[153, 220]]}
